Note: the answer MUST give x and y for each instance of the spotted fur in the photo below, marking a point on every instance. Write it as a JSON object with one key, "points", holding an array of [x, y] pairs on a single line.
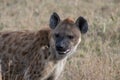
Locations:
{"points": [[28, 55]]}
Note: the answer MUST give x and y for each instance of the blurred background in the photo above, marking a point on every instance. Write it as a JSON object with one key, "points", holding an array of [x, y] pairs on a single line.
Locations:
{"points": [[98, 56]]}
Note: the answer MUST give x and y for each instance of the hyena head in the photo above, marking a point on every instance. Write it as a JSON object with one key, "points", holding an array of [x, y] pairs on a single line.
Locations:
{"points": [[66, 35]]}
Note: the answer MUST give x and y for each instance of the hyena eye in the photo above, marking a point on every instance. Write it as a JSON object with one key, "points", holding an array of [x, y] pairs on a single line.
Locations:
{"points": [[70, 36]]}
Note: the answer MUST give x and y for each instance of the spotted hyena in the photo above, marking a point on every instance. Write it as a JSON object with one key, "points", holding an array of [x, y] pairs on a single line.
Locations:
{"points": [[40, 55]]}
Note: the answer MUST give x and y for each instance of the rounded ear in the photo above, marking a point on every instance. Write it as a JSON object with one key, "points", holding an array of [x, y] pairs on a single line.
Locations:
{"points": [[82, 24], [54, 20]]}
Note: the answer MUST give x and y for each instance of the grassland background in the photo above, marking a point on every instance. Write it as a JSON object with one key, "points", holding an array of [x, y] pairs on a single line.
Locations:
{"points": [[98, 56]]}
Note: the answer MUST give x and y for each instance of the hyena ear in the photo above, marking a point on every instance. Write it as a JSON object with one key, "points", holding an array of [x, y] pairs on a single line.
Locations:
{"points": [[82, 24], [54, 20]]}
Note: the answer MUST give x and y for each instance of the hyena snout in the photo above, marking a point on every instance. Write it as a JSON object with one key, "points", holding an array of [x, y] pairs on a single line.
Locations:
{"points": [[62, 47]]}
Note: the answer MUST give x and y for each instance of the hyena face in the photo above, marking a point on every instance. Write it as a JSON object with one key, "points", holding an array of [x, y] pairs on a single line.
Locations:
{"points": [[66, 34]]}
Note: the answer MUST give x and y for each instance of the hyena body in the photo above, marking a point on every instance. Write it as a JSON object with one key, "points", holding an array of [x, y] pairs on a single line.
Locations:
{"points": [[40, 55]]}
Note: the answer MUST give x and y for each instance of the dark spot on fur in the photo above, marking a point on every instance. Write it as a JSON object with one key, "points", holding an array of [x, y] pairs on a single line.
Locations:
{"points": [[50, 78], [39, 75], [9, 50], [43, 38], [41, 44], [3, 47], [46, 56], [35, 72], [5, 35], [24, 53]]}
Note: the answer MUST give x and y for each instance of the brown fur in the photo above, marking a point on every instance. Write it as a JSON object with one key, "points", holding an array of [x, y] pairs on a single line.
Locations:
{"points": [[32, 55], [23, 50], [69, 20]]}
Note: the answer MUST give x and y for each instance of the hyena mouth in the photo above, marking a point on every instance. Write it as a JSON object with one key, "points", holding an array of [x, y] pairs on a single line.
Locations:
{"points": [[64, 52]]}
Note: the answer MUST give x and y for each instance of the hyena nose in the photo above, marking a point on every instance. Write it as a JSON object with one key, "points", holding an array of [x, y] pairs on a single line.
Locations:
{"points": [[60, 48]]}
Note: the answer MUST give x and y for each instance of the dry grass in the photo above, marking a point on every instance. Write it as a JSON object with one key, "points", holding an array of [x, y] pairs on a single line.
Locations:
{"points": [[98, 56]]}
